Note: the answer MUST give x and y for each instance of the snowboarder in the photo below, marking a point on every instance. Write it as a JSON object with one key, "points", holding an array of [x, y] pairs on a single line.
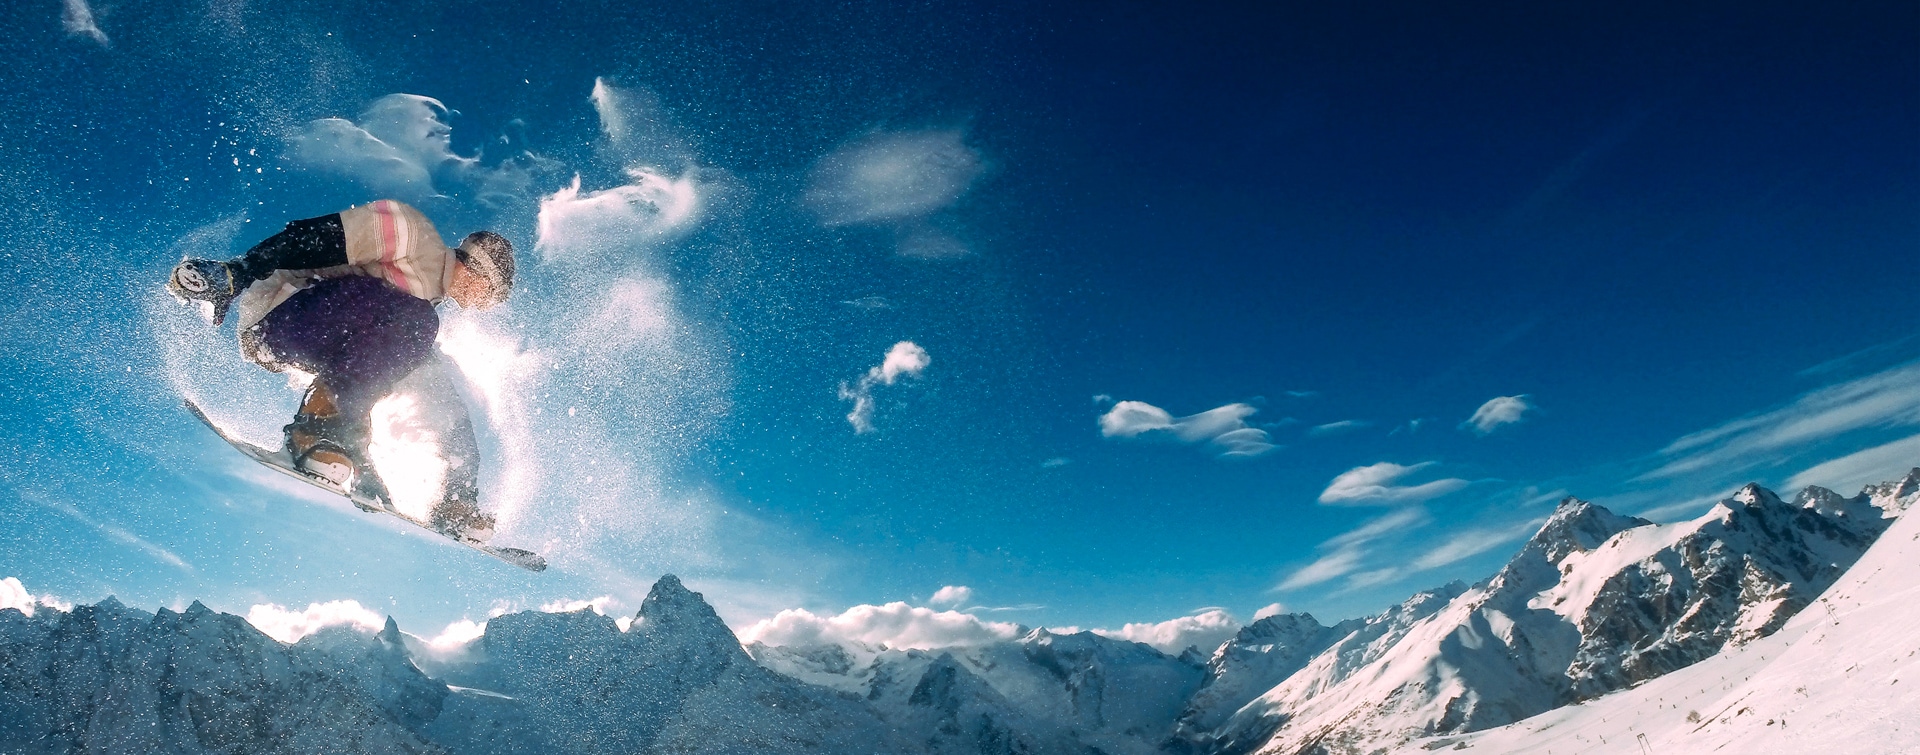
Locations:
{"points": [[349, 298]]}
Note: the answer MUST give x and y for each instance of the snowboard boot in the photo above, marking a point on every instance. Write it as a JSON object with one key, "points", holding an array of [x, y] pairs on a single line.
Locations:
{"points": [[459, 517], [325, 444]]}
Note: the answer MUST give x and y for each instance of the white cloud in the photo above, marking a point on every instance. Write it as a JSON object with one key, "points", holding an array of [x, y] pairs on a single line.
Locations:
{"points": [[1473, 542], [585, 226], [1347, 552], [289, 626], [457, 634], [110, 531], [1862, 468], [1270, 609], [77, 18], [1374, 577], [869, 303], [1376, 485], [904, 359], [401, 148], [1339, 427], [892, 176], [1055, 462], [1412, 426], [563, 605], [897, 180], [1339, 563], [14, 595], [1224, 427], [895, 625], [1204, 630], [1398, 520], [951, 595], [1499, 410], [1890, 398]]}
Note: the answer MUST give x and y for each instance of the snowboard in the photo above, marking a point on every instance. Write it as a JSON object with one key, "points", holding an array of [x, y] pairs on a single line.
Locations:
{"points": [[278, 460]]}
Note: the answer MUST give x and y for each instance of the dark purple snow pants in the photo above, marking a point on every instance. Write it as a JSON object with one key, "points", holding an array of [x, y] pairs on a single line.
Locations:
{"points": [[358, 335]]}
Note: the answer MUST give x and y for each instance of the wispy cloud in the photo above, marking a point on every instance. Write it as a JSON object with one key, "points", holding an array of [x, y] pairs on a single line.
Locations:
{"points": [[869, 303], [77, 18], [1410, 427], [1270, 609], [897, 180], [1225, 428], [289, 626], [1498, 411], [1339, 563], [1379, 485], [1861, 468], [895, 625], [1362, 557], [1055, 462], [1334, 428], [597, 605], [905, 358], [1466, 544], [1205, 630], [1886, 399], [109, 530], [1347, 552]]}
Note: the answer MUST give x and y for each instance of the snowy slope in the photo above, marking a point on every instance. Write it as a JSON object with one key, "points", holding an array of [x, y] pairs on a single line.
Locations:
{"points": [[1592, 603], [1056, 692], [1841, 677], [1258, 657]]}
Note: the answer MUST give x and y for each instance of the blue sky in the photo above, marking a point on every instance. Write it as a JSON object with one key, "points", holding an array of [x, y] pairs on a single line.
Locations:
{"points": [[1202, 305]]}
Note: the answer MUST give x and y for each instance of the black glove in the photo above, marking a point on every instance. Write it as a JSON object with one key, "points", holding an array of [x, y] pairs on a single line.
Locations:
{"points": [[204, 281]]}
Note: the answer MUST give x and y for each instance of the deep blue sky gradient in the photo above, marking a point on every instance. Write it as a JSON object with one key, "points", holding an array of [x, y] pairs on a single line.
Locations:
{"points": [[1649, 219]]}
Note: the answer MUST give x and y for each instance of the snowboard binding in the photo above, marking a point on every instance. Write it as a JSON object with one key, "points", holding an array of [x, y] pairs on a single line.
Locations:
{"points": [[329, 446]]}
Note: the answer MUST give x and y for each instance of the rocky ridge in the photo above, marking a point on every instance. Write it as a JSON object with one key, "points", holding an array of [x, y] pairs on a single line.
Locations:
{"points": [[1593, 603]]}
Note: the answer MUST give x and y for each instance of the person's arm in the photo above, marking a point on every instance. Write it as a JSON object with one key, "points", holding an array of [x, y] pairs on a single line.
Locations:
{"points": [[308, 244]]}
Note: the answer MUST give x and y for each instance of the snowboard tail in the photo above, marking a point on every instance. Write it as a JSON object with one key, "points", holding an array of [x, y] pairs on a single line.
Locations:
{"points": [[278, 460]]}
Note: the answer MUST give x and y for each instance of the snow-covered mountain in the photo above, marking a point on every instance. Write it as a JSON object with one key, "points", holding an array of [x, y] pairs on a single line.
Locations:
{"points": [[1054, 692], [1839, 677], [1592, 603], [676, 681], [1600, 621], [107, 678]]}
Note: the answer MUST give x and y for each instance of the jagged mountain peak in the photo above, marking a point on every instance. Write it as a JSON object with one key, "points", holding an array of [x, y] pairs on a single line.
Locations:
{"points": [[1895, 496], [672, 609], [1753, 494], [1576, 526], [1279, 625], [1579, 525]]}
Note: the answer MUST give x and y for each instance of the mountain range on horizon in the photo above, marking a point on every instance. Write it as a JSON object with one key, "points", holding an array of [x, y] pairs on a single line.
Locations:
{"points": [[1596, 636]]}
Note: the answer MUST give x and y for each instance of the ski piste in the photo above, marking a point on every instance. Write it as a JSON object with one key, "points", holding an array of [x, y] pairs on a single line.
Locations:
{"points": [[278, 460]]}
